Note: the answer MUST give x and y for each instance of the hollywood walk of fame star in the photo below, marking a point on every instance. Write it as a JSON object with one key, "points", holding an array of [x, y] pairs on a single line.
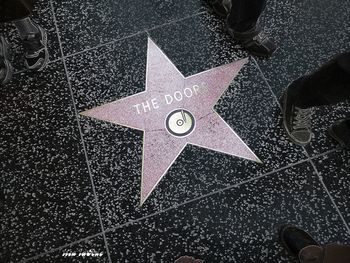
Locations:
{"points": [[173, 111]]}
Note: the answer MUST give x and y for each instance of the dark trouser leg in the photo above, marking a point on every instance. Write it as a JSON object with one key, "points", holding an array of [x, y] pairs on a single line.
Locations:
{"points": [[328, 85], [11, 10], [332, 253], [245, 14]]}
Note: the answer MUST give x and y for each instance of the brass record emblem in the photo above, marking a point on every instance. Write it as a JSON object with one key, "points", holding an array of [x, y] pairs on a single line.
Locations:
{"points": [[180, 123]]}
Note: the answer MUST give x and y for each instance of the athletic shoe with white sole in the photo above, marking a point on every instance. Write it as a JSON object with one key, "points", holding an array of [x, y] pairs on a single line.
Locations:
{"points": [[296, 121], [36, 53]]}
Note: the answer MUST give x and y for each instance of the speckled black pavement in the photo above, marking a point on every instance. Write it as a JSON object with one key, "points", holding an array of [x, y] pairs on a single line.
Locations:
{"points": [[72, 183]]}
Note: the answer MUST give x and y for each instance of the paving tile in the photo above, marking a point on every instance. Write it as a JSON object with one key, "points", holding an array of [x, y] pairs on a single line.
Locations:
{"points": [[48, 195], [108, 73], [239, 225], [335, 170], [91, 250], [115, 152], [43, 16], [197, 44], [85, 24], [49, 201]]}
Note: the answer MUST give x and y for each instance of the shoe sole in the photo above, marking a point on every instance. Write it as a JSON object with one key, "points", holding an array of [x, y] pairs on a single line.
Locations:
{"points": [[8, 65], [260, 55], [46, 60], [283, 101]]}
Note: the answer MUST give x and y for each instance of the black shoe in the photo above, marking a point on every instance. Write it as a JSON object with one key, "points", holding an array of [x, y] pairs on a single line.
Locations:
{"points": [[296, 121], [221, 7], [36, 53], [295, 239], [340, 131], [6, 69], [255, 41]]}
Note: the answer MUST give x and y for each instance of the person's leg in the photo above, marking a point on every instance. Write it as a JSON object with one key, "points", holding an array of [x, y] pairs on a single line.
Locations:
{"points": [[340, 131], [328, 85], [243, 26], [245, 14], [15, 9], [221, 7]]}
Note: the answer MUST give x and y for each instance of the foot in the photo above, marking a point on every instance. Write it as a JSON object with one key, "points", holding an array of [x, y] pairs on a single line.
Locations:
{"points": [[255, 41], [340, 131], [296, 121], [295, 239], [36, 53], [6, 69], [221, 7]]}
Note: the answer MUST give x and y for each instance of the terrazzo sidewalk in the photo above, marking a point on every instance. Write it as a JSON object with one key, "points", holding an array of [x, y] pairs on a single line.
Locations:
{"points": [[72, 183]]}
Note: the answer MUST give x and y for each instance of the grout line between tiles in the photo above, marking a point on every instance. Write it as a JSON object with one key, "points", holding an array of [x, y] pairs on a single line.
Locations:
{"points": [[133, 35], [267, 83], [208, 195], [80, 132], [184, 203], [171, 208], [307, 154], [60, 248], [324, 153], [330, 196]]}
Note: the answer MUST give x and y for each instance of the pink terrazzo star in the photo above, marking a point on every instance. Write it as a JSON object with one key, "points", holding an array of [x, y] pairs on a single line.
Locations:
{"points": [[173, 111]]}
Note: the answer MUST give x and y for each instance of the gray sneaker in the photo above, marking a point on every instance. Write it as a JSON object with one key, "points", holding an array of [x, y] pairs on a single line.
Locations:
{"points": [[296, 121], [6, 69]]}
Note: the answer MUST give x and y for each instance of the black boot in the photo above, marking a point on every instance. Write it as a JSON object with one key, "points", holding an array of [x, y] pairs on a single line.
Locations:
{"points": [[221, 7], [255, 41], [340, 131], [295, 239]]}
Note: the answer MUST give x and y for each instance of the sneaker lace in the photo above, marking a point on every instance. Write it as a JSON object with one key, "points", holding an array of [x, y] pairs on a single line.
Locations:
{"points": [[32, 45], [302, 119]]}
